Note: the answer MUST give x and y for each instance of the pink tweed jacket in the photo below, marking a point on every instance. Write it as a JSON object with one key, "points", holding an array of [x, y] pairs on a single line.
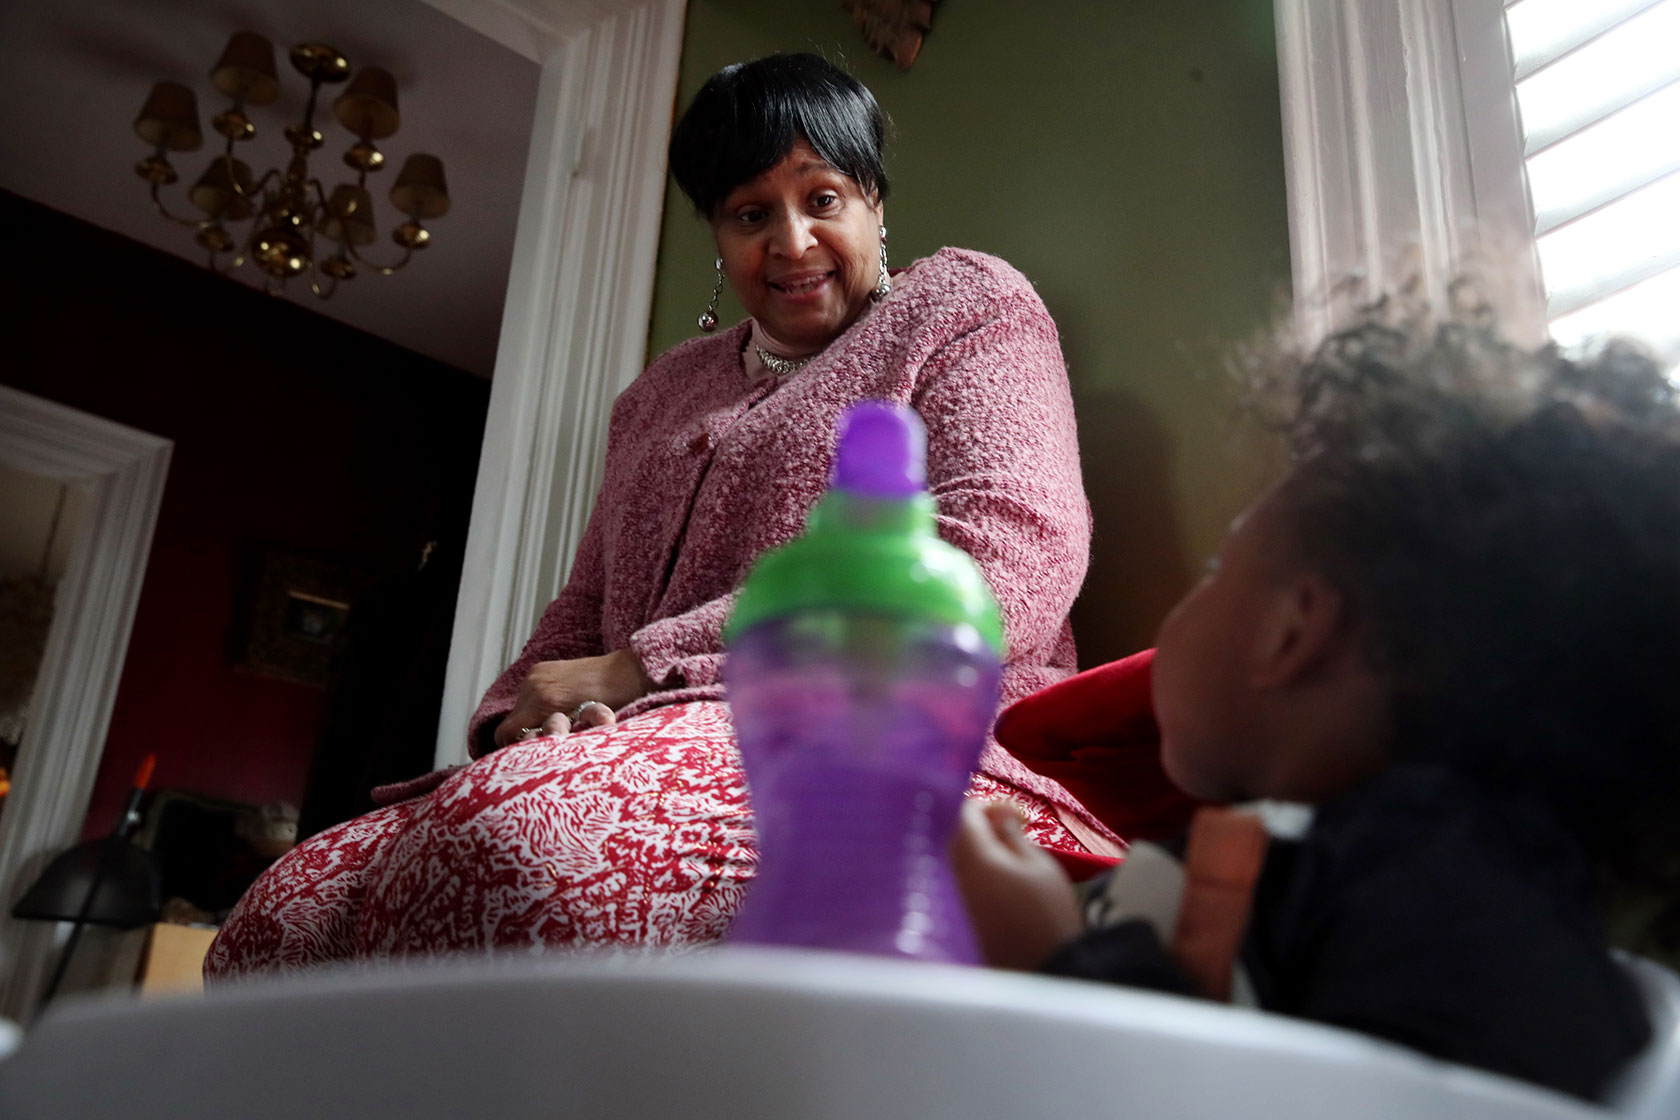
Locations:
{"points": [[707, 469]]}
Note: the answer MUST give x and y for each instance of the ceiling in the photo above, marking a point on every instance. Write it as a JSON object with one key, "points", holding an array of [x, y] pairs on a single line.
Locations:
{"points": [[74, 75]]}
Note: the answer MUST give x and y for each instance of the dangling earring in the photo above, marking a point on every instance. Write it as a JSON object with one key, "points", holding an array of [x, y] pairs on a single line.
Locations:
{"points": [[884, 284], [708, 317]]}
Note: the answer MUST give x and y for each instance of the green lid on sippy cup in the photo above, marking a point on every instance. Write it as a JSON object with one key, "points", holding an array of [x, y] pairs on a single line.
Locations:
{"points": [[871, 543]]}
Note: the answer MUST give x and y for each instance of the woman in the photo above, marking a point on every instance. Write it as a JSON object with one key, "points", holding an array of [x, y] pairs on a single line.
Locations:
{"points": [[608, 804]]}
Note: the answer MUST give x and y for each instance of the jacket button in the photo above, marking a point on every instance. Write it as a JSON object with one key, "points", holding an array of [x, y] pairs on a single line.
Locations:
{"points": [[700, 444]]}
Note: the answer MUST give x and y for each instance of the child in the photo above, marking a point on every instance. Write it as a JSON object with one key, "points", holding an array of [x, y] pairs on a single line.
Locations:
{"points": [[1453, 628]]}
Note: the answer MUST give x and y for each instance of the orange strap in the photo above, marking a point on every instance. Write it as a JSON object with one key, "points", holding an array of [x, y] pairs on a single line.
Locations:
{"points": [[1221, 865]]}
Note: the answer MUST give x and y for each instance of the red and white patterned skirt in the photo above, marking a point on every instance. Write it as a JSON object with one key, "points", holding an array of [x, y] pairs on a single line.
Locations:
{"points": [[636, 834]]}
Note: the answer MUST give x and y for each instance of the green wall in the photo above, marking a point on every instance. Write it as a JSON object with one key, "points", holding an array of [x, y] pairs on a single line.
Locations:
{"points": [[1127, 156]]}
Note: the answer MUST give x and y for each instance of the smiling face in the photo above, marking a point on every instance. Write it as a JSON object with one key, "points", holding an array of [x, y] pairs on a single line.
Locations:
{"points": [[801, 246]]}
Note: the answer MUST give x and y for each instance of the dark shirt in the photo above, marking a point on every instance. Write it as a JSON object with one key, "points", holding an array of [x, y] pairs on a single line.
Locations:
{"points": [[1420, 911]]}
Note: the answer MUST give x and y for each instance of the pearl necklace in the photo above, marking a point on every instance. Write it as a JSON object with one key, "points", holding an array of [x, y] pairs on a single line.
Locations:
{"points": [[782, 367]]}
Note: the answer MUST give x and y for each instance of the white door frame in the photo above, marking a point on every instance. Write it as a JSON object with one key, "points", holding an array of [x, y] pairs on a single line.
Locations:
{"points": [[93, 613], [1402, 155], [574, 332]]}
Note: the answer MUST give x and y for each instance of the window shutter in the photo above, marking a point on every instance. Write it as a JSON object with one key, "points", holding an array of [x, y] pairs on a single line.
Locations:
{"points": [[1598, 87]]}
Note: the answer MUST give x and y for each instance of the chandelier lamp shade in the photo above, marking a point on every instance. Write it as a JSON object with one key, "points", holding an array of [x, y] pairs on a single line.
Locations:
{"points": [[297, 227]]}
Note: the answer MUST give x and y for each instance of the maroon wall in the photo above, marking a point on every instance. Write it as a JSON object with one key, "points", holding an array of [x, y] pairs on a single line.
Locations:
{"points": [[291, 431]]}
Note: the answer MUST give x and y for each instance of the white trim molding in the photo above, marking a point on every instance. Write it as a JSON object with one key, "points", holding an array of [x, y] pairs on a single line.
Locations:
{"points": [[514, 25], [70, 712], [574, 332], [1402, 155]]}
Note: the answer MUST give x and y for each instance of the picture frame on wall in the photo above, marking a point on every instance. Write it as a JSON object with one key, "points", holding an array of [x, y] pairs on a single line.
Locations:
{"points": [[296, 616]]}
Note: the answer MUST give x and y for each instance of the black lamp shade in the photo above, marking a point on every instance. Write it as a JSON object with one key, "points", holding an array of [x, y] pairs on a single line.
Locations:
{"points": [[129, 892]]}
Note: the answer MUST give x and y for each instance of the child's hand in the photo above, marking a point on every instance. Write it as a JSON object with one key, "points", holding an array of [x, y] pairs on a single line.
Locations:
{"points": [[1021, 903]]}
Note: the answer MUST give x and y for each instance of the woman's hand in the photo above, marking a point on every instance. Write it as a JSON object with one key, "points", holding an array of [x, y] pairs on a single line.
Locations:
{"points": [[1020, 901], [589, 688]]}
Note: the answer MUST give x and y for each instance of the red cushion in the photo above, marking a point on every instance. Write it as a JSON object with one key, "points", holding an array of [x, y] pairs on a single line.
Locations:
{"points": [[1095, 733], [1081, 866]]}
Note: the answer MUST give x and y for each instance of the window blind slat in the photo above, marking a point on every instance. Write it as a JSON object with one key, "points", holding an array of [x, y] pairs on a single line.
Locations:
{"points": [[1644, 310], [1612, 248], [1598, 88], [1542, 31], [1608, 74], [1613, 158]]}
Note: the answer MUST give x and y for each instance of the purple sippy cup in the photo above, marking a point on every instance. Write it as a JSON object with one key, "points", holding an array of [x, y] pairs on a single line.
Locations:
{"points": [[863, 676]]}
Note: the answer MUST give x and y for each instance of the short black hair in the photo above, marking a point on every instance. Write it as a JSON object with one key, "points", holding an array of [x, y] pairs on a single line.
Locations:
{"points": [[1504, 522], [748, 116]]}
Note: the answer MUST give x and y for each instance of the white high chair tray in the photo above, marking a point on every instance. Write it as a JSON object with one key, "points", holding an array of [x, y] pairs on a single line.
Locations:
{"points": [[738, 1033]]}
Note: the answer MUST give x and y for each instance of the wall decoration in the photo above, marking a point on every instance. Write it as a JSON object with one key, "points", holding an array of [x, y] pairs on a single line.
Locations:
{"points": [[893, 28], [298, 611]]}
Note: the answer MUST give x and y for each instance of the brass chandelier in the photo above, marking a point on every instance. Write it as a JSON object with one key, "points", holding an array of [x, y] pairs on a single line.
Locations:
{"points": [[296, 226]]}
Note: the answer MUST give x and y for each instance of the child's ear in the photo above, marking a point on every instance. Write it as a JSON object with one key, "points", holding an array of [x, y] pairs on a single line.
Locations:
{"points": [[1299, 632]]}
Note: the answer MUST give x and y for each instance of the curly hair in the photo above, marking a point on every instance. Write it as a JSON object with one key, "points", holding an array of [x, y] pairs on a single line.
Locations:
{"points": [[1505, 524]]}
